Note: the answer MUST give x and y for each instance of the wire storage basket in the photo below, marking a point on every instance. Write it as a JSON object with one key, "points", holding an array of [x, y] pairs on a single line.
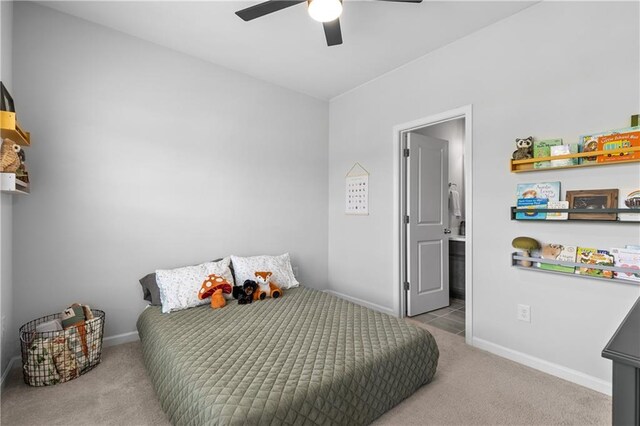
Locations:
{"points": [[53, 357]]}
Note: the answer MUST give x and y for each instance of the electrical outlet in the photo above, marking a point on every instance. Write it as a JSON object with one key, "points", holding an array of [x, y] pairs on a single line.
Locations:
{"points": [[524, 313]]}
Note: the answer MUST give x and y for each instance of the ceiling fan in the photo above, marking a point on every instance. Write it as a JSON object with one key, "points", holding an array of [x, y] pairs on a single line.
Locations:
{"points": [[326, 11]]}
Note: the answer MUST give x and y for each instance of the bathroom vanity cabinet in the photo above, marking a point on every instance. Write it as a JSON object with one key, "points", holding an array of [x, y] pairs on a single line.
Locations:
{"points": [[456, 268]]}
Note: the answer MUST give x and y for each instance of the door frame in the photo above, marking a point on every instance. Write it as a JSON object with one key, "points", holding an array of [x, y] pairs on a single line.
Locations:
{"points": [[399, 191]]}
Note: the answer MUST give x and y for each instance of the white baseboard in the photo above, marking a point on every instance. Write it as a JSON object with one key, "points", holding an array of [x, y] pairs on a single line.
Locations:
{"points": [[364, 303], [119, 339], [565, 373]]}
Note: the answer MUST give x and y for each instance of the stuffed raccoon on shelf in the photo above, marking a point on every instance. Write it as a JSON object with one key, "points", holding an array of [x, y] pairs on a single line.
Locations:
{"points": [[525, 148]]}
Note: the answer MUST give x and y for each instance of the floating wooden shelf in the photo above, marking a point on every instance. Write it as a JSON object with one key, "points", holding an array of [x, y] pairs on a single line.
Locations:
{"points": [[515, 210], [10, 184], [9, 128], [516, 257], [519, 166]]}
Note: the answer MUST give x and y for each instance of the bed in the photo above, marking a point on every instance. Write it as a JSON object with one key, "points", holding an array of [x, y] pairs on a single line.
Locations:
{"points": [[306, 358]]}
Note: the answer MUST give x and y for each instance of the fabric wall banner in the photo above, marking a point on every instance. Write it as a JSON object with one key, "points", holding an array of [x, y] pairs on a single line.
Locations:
{"points": [[357, 191]]}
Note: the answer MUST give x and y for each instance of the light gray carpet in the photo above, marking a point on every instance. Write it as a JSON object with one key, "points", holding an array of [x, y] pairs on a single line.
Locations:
{"points": [[471, 387]]}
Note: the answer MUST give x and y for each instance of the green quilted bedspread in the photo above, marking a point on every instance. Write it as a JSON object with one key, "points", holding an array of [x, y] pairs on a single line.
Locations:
{"points": [[306, 358]]}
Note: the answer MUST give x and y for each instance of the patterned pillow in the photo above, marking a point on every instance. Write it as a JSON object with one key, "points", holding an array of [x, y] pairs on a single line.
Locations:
{"points": [[280, 266], [150, 290], [92, 342], [64, 359], [179, 287], [75, 345], [40, 367]]}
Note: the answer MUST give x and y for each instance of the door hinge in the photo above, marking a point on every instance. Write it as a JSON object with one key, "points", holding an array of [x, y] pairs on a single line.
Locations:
{"points": [[406, 219], [406, 152], [407, 286]]}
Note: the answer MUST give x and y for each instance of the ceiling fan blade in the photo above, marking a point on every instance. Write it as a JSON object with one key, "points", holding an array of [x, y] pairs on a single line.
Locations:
{"points": [[266, 8], [403, 1], [332, 32]]}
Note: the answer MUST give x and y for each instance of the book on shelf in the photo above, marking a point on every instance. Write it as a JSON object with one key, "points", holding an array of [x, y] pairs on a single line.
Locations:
{"points": [[590, 142], [558, 215], [543, 149], [532, 196], [629, 198], [626, 258], [572, 148], [592, 256], [618, 141], [561, 253]]}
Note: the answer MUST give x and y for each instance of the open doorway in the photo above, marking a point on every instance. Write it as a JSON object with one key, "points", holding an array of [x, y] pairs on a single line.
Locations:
{"points": [[435, 221]]}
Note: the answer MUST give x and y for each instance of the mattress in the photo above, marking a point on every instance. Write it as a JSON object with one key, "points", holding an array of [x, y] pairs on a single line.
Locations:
{"points": [[305, 358]]}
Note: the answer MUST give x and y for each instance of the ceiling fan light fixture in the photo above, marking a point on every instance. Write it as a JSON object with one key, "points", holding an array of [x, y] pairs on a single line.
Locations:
{"points": [[325, 10]]}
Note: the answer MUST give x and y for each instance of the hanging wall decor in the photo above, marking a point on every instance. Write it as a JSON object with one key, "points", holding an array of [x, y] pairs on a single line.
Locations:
{"points": [[357, 191]]}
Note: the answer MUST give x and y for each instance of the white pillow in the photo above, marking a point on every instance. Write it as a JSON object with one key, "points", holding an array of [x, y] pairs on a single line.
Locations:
{"points": [[280, 266], [179, 287]]}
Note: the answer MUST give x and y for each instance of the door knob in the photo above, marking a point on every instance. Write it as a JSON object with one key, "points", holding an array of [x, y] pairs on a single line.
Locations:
{"points": [[447, 230]]}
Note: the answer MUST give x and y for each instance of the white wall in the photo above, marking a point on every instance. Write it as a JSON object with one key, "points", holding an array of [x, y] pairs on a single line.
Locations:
{"points": [[144, 158], [7, 334], [557, 69], [453, 132], [6, 42]]}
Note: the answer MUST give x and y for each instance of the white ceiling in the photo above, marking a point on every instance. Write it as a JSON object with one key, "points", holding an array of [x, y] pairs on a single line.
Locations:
{"points": [[288, 48]]}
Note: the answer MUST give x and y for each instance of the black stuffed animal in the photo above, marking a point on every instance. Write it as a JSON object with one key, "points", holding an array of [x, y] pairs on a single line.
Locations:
{"points": [[238, 290], [245, 293]]}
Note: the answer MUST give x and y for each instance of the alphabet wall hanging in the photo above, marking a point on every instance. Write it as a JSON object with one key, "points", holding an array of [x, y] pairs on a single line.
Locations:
{"points": [[357, 191]]}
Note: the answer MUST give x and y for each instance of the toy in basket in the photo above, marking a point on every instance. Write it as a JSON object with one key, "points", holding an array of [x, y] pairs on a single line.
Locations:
{"points": [[60, 347]]}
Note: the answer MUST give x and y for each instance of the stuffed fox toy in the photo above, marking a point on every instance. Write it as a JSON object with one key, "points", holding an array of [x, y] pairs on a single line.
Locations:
{"points": [[267, 288]]}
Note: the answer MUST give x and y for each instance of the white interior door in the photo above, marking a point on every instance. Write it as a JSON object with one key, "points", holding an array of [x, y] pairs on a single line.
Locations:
{"points": [[427, 228]]}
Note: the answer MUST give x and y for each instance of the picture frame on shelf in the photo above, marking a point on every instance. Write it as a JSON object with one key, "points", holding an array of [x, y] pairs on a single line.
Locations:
{"points": [[593, 199], [629, 199]]}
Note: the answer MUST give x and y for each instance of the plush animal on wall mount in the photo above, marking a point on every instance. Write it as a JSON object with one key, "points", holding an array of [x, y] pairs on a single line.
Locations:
{"points": [[214, 286], [9, 158], [525, 148], [245, 293], [267, 288]]}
